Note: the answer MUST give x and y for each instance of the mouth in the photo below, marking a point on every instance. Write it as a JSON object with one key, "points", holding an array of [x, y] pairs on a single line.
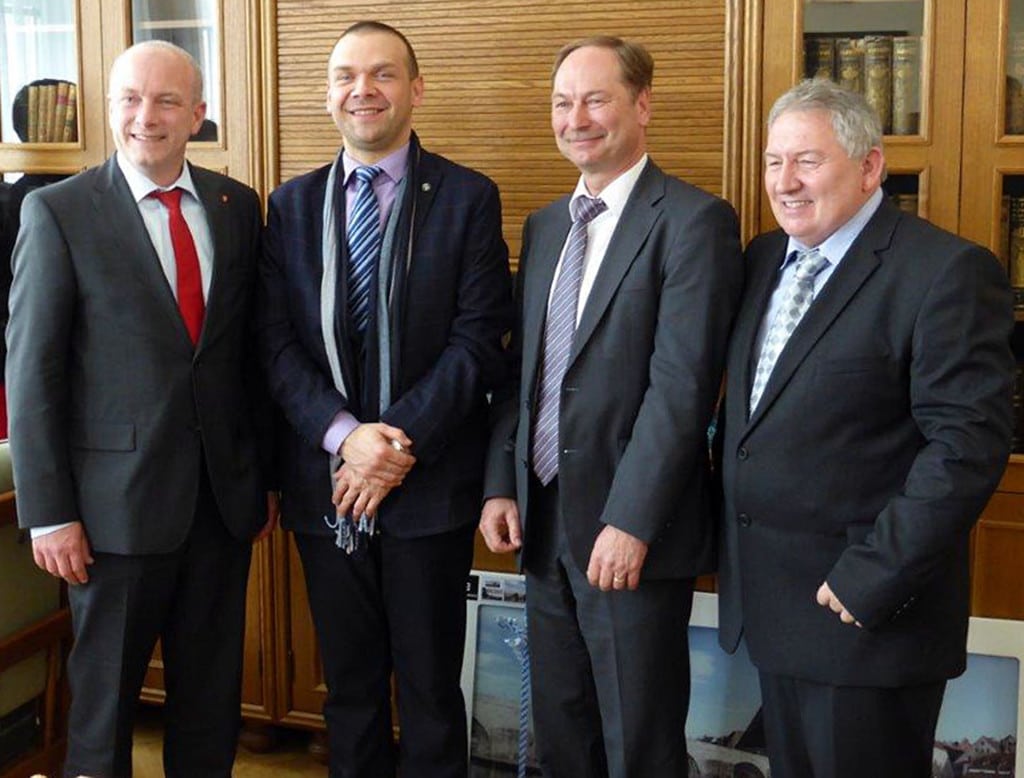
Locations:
{"points": [[367, 111], [143, 137], [793, 205]]}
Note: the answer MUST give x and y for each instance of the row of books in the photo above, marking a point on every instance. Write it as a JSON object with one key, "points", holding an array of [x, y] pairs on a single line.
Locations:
{"points": [[1013, 245], [53, 113], [886, 69], [1015, 83]]}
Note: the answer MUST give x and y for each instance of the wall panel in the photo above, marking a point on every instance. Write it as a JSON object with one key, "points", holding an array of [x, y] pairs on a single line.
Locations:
{"points": [[487, 64]]}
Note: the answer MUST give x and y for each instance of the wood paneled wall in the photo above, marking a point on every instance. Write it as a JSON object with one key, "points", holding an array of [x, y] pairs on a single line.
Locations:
{"points": [[487, 64]]}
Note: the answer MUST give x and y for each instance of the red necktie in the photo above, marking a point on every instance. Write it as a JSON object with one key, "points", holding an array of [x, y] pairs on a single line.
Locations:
{"points": [[186, 260]]}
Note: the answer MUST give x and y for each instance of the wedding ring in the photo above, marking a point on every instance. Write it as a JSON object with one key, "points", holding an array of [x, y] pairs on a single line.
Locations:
{"points": [[618, 578]]}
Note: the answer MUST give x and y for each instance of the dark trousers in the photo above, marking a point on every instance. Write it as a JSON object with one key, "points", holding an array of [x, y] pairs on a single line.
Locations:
{"points": [[820, 731], [399, 605], [193, 600], [610, 670]]}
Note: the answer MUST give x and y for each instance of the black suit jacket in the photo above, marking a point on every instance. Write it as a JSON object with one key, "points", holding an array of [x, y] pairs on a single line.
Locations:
{"points": [[453, 305], [111, 408], [642, 378], [880, 436]]}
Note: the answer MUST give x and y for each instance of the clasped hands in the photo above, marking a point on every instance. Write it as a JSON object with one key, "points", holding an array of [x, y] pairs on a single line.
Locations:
{"points": [[376, 460]]}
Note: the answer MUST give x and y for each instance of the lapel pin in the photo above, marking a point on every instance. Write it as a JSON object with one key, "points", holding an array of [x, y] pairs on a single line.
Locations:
{"points": [[223, 198], [425, 187]]}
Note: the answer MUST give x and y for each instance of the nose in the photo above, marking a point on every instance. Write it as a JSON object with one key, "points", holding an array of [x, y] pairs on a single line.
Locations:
{"points": [[786, 179], [578, 116], [145, 113], [363, 85]]}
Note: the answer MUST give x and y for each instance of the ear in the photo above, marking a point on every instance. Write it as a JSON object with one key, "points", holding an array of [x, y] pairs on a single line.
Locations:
{"points": [[198, 114], [643, 105], [871, 169], [417, 91]]}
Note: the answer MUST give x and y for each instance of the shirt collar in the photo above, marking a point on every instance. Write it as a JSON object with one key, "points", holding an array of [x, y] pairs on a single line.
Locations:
{"points": [[835, 246], [393, 165], [617, 192], [141, 186]]}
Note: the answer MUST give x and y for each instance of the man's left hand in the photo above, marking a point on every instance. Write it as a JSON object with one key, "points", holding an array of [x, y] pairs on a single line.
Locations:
{"points": [[356, 495], [616, 560], [827, 599]]}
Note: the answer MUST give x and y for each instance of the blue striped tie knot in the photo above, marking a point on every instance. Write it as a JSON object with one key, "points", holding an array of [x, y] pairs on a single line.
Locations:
{"points": [[364, 241]]}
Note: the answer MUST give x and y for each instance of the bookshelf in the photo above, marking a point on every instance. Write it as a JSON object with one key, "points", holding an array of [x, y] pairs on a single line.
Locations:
{"points": [[961, 157]]}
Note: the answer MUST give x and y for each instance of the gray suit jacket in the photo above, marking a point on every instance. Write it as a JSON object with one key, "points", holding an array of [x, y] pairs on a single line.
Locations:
{"points": [[112, 411], [643, 374], [882, 431]]}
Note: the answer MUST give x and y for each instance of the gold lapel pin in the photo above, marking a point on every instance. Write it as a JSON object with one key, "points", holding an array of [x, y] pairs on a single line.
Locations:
{"points": [[223, 198], [425, 186]]}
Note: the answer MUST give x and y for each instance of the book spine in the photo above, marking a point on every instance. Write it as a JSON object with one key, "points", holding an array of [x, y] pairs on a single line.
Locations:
{"points": [[69, 132], [850, 63], [819, 57], [60, 112], [1016, 267], [878, 77], [33, 114], [906, 85], [47, 98]]}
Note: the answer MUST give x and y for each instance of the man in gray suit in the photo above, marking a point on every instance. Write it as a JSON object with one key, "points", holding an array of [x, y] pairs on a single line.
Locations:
{"points": [[859, 449], [598, 462], [132, 431]]}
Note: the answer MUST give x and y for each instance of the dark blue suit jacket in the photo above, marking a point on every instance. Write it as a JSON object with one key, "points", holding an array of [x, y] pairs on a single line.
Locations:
{"points": [[452, 307]]}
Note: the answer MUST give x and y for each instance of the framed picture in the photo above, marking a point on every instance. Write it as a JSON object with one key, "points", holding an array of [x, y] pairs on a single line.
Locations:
{"points": [[981, 721], [495, 677]]}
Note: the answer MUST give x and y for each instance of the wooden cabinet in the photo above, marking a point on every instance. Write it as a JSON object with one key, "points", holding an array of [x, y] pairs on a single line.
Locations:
{"points": [[964, 162]]}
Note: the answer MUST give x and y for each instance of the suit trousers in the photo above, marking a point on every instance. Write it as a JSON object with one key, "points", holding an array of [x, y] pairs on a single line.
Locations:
{"points": [[820, 731], [610, 670], [193, 600], [398, 605]]}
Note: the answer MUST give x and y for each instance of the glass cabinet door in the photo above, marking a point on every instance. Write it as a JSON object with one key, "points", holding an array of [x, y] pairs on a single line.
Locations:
{"points": [[39, 80], [871, 48], [195, 26]]}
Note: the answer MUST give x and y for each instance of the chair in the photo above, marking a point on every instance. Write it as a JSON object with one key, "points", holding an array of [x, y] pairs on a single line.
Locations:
{"points": [[35, 631]]}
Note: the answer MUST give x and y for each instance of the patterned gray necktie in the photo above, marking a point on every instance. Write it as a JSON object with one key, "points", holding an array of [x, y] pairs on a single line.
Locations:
{"points": [[795, 302], [363, 245], [559, 328]]}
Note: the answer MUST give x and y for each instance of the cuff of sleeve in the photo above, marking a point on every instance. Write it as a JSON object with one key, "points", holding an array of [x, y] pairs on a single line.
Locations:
{"points": [[38, 532], [341, 427]]}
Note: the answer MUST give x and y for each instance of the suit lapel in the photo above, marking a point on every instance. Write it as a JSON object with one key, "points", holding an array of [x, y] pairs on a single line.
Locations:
{"points": [[860, 262], [638, 217], [217, 205], [544, 251], [118, 214]]}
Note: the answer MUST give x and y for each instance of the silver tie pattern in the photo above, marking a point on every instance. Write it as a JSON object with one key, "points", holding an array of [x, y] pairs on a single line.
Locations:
{"points": [[558, 331], [363, 246], [797, 299]]}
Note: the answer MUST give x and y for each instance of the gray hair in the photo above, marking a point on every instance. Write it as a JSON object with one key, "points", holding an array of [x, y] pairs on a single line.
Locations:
{"points": [[854, 122], [161, 45]]}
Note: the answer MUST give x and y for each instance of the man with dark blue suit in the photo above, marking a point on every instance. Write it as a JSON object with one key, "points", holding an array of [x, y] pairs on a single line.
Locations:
{"points": [[867, 422], [386, 293]]}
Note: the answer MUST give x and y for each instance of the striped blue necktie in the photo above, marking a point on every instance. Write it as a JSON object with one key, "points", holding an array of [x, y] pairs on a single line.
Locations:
{"points": [[363, 246], [559, 329]]}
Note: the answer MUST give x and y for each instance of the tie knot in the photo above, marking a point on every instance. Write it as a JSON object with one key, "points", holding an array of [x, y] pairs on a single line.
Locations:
{"points": [[171, 198], [586, 208], [365, 174], [809, 264]]}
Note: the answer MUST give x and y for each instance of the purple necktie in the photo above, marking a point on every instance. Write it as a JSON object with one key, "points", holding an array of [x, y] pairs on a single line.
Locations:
{"points": [[558, 331]]}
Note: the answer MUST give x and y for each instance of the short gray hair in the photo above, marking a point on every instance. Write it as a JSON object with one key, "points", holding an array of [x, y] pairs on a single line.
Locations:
{"points": [[854, 122]]}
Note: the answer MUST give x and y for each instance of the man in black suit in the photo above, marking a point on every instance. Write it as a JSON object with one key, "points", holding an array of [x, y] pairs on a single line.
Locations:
{"points": [[858, 451], [598, 462], [132, 421], [383, 377]]}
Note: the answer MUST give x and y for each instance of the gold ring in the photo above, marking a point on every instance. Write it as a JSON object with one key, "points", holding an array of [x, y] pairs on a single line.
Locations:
{"points": [[618, 578]]}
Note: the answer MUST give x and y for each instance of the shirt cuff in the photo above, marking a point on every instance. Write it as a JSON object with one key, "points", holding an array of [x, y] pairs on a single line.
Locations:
{"points": [[341, 427], [38, 532]]}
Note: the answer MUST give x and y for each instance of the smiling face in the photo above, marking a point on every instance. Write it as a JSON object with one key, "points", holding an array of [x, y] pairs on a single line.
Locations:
{"points": [[599, 125], [812, 183], [371, 93], [154, 109]]}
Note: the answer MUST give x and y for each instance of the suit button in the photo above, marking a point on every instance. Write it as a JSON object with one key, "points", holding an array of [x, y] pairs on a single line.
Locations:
{"points": [[742, 454], [744, 520]]}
